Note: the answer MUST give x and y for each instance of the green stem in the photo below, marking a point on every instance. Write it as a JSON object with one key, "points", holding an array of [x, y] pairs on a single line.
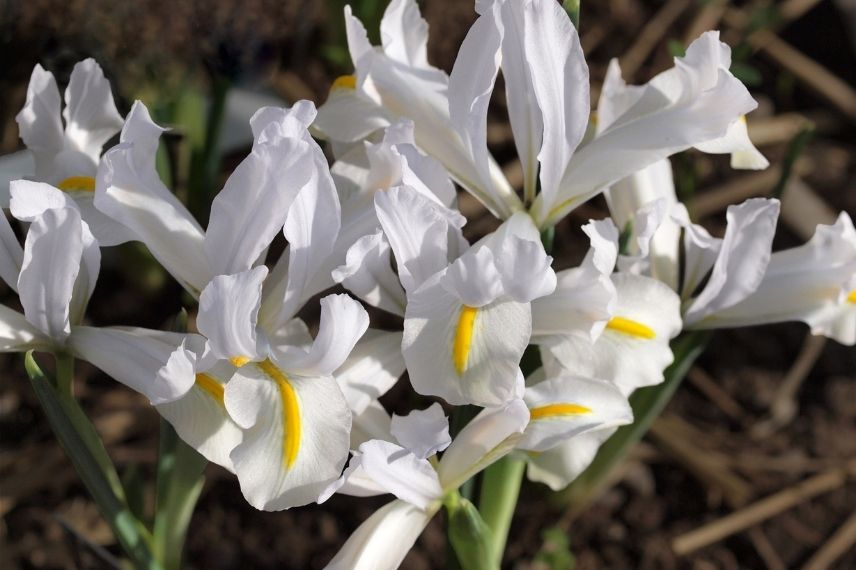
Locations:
{"points": [[84, 447], [65, 374], [179, 484], [500, 488]]}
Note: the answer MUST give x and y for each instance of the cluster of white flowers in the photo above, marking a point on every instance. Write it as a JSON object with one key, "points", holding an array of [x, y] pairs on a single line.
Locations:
{"points": [[252, 390]]}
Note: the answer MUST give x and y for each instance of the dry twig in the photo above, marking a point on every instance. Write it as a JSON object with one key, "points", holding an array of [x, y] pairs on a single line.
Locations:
{"points": [[651, 36], [784, 406], [839, 543], [763, 509]]}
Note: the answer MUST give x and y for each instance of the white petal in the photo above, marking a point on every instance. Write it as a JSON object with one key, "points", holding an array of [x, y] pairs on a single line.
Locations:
{"points": [[694, 102], [584, 298], [561, 83], [18, 335], [383, 540], [311, 229], [11, 254], [228, 313], [343, 322], [368, 274], [401, 473], [569, 406], [813, 283], [470, 87], [372, 423], [736, 142], [358, 40], [350, 116], [633, 349], [742, 260], [419, 232], [523, 111], [583, 302], [423, 432], [354, 482], [53, 252], [488, 437], [200, 419], [559, 466], [371, 369], [525, 269], [474, 278], [29, 200], [404, 33], [39, 122], [701, 251], [295, 435], [464, 355], [157, 364], [129, 190], [91, 117], [253, 205]]}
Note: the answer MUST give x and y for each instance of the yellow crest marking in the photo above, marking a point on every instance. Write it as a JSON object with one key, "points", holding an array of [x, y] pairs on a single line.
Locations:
{"points": [[238, 361], [463, 338], [344, 82], [290, 412], [81, 183], [210, 386], [851, 297], [631, 328], [558, 410]]}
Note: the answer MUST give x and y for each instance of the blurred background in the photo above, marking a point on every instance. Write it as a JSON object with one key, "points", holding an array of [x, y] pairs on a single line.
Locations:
{"points": [[765, 409]]}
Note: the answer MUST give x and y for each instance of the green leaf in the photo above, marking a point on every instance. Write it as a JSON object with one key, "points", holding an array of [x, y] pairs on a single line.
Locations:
{"points": [[179, 484], [470, 536], [84, 447], [647, 403]]}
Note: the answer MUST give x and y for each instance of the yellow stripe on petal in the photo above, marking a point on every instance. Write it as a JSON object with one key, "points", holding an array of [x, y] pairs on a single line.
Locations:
{"points": [[464, 338], [631, 328], [238, 361], [345, 82], [80, 183], [290, 413], [851, 297], [210, 386], [557, 411]]}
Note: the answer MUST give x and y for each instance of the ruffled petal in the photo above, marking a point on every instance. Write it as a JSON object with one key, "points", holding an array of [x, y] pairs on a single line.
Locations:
{"points": [[368, 274], [343, 322], [742, 260], [422, 432], [91, 117], [129, 190], [400, 472], [228, 314]]}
